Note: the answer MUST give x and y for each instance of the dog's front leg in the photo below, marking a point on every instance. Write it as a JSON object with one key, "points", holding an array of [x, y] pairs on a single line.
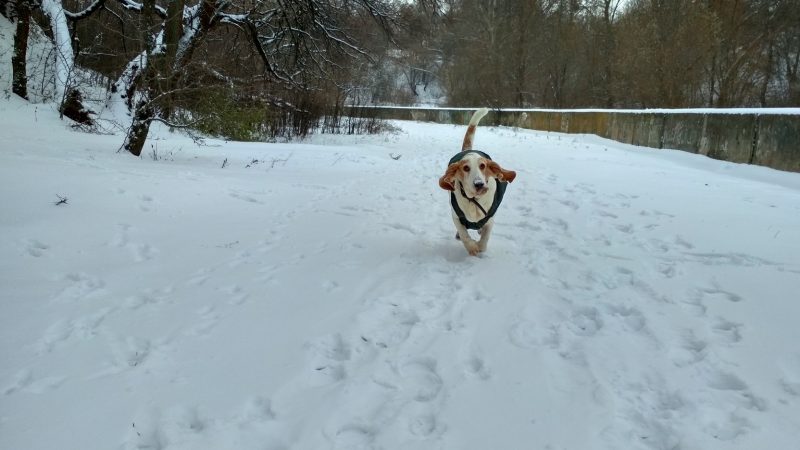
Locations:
{"points": [[469, 243], [485, 232]]}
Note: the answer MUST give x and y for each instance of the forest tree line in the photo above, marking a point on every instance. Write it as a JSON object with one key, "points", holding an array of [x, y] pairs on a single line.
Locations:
{"points": [[261, 69], [608, 53]]}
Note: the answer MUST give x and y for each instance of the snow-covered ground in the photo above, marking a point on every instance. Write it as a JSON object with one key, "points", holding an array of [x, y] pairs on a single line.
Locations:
{"points": [[630, 298]]}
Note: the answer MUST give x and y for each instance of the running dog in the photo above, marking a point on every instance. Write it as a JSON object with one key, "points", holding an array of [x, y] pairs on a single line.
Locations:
{"points": [[477, 185]]}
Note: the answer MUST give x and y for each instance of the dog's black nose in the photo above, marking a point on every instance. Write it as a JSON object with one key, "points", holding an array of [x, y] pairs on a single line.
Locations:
{"points": [[479, 184]]}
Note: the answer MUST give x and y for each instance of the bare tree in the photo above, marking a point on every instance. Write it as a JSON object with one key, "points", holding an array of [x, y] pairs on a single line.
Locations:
{"points": [[298, 45], [21, 12], [297, 42], [788, 56], [602, 50], [68, 98]]}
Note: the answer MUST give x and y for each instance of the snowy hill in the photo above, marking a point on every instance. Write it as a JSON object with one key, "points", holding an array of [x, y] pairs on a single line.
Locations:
{"points": [[630, 298]]}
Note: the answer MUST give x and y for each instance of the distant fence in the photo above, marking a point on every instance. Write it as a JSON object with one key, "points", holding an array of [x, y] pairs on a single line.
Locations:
{"points": [[764, 139]]}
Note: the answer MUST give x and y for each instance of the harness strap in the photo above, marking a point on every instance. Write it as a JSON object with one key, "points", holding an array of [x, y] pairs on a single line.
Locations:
{"points": [[498, 198], [472, 199]]}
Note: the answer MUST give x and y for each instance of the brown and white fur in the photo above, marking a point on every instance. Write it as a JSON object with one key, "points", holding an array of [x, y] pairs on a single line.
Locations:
{"points": [[479, 177]]}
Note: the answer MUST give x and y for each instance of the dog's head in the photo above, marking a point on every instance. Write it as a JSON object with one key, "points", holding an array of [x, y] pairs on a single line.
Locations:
{"points": [[473, 172]]}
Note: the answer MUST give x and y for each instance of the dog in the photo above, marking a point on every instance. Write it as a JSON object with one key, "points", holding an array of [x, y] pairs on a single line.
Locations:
{"points": [[477, 185]]}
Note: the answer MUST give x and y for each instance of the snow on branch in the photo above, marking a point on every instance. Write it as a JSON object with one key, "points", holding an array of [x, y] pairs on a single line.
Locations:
{"points": [[191, 27], [380, 12], [124, 88], [198, 20], [132, 5], [236, 19], [299, 35], [75, 16], [329, 33]]}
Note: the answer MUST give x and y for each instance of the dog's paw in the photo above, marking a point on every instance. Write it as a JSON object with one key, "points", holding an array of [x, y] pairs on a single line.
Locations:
{"points": [[472, 247]]}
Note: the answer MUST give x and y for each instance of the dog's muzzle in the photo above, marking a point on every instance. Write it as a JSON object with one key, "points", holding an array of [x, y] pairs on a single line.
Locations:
{"points": [[480, 187]]}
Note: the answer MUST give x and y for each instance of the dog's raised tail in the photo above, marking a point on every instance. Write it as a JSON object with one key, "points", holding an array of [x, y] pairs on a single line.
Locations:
{"points": [[473, 123]]}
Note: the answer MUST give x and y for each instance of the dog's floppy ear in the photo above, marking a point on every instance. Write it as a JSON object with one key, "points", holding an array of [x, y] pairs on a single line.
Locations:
{"points": [[500, 173], [447, 181]]}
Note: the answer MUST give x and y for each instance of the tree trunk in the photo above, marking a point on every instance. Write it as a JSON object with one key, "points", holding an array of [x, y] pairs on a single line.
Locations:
{"points": [[173, 29], [134, 89], [712, 80], [768, 68], [609, 47], [19, 85], [137, 133], [7, 9]]}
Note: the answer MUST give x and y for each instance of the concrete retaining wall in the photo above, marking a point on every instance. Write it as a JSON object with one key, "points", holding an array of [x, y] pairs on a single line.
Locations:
{"points": [[778, 142], [771, 140]]}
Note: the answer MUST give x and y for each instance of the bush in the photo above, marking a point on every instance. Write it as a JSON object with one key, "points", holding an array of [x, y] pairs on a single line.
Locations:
{"points": [[223, 113]]}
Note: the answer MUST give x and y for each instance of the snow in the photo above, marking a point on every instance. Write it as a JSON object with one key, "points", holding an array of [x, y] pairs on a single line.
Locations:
{"points": [[629, 298]]}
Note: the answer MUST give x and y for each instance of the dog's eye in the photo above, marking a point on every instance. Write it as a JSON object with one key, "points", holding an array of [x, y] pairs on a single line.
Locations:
{"points": [[466, 168], [483, 166]]}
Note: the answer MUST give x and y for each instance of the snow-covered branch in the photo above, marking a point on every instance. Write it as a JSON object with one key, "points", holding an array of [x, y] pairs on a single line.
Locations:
{"points": [[65, 60], [124, 89], [86, 12], [132, 5]]}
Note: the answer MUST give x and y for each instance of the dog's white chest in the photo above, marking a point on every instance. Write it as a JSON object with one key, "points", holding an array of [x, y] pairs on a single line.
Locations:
{"points": [[470, 209]]}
